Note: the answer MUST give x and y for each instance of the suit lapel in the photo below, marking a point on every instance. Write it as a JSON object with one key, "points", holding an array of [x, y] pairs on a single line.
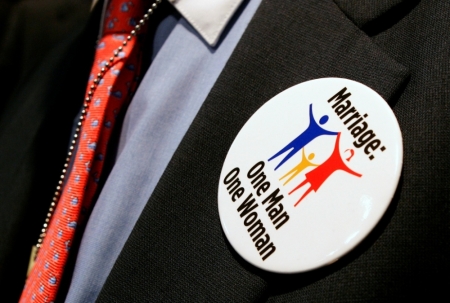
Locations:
{"points": [[177, 251], [374, 17]]}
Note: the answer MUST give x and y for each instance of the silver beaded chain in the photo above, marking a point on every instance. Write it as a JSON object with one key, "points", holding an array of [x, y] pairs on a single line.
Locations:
{"points": [[87, 100]]}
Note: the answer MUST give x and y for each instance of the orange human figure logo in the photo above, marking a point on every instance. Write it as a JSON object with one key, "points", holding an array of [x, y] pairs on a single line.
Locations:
{"points": [[304, 163]]}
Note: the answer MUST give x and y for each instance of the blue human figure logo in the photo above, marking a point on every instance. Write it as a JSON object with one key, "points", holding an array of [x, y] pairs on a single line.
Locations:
{"points": [[313, 131]]}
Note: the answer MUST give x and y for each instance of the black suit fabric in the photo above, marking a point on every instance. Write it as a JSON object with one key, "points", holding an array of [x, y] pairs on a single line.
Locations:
{"points": [[177, 250], [32, 30], [35, 127]]}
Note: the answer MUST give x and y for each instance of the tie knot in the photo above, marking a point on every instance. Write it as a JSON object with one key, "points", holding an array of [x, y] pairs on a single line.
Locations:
{"points": [[122, 16]]}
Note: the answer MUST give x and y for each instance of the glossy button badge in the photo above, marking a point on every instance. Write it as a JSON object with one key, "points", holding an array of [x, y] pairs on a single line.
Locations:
{"points": [[309, 175]]}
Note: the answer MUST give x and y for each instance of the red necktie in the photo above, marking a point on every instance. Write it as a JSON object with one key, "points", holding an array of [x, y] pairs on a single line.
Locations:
{"points": [[113, 80]]}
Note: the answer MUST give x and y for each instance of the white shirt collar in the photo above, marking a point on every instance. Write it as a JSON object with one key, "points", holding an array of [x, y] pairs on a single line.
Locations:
{"points": [[208, 17]]}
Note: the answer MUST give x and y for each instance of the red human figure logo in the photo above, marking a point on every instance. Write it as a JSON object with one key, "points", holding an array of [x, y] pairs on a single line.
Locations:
{"points": [[321, 173]]}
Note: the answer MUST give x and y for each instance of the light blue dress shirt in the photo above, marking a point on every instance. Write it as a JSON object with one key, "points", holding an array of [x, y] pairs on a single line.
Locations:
{"points": [[173, 89]]}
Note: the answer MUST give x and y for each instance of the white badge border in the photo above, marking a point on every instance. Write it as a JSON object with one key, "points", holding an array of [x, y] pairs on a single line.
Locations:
{"points": [[238, 242]]}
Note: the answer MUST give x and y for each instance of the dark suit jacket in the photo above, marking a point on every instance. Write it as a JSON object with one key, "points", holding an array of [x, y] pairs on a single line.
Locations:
{"points": [[177, 250], [35, 127]]}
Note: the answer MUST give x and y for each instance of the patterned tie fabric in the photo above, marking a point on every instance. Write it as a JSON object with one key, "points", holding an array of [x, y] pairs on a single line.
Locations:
{"points": [[112, 93]]}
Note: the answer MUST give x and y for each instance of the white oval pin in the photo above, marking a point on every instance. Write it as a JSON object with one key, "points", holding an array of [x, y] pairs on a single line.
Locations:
{"points": [[310, 175]]}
